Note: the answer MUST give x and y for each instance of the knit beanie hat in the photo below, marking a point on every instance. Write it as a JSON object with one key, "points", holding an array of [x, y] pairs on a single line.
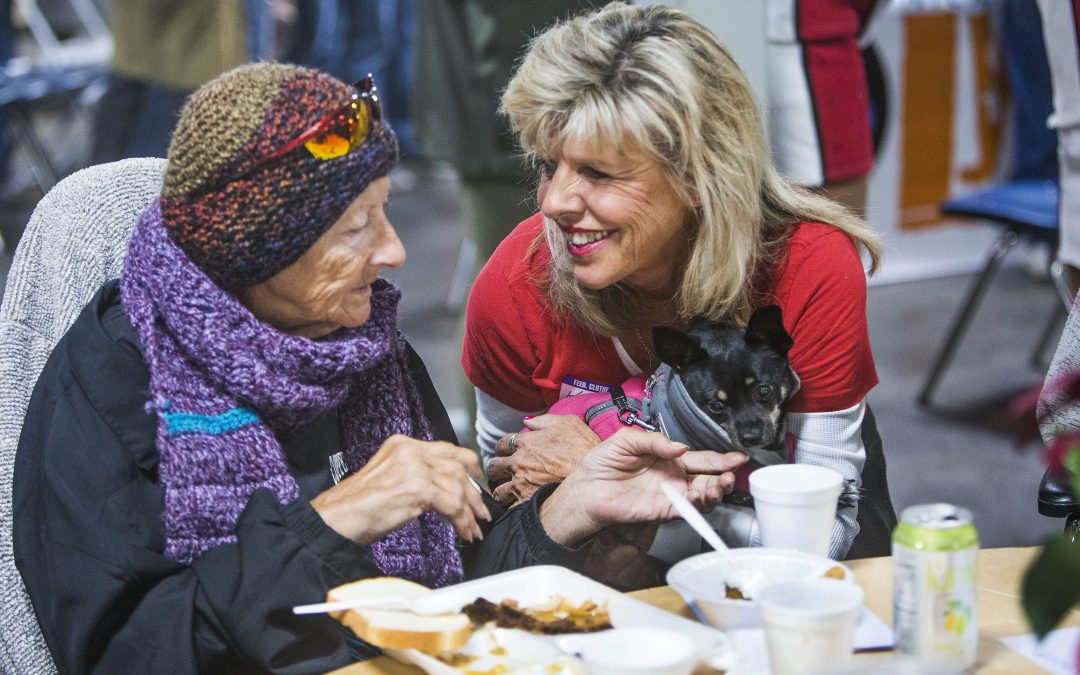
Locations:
{"points": [[249, 229]]}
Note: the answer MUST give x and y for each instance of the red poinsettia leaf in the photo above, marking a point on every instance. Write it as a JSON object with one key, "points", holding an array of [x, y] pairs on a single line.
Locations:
{"points": [[1022, 412], [1059, 448], [1023, 404], [1067, 384], [1071, 464], [1051, 584]]}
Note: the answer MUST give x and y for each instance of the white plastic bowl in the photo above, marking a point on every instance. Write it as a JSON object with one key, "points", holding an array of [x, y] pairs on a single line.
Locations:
{"points": [[700, 580]]}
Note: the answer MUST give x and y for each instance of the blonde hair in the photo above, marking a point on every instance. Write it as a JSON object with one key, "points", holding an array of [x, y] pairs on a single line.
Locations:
{"points": [[655, 79]]}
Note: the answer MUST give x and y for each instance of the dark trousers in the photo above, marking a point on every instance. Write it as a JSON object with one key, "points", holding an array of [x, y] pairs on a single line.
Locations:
{"points": [[135, 119], [877, 518]]}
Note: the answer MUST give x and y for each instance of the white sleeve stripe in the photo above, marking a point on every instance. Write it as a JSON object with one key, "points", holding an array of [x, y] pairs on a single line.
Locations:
{"points": [[833, 440], [493, 421]]}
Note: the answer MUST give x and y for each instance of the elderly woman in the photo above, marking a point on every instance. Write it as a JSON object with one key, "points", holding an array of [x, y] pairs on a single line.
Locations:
{"points": [[236, 426], [658, 204]]}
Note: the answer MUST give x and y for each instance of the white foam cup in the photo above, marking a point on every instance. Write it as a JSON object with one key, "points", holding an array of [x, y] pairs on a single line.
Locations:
{"points": [[809, 624], [796, 505]]}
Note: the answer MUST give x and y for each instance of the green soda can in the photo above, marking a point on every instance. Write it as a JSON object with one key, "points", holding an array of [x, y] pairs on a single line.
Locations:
{"points": [[934, 619]]}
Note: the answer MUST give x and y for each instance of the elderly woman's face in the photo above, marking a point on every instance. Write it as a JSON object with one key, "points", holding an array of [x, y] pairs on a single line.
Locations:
{"points": [[329, 287], [620, 218]]}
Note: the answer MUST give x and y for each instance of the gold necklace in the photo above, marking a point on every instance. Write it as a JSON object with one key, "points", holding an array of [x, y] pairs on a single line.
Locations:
{"points": [[653, 361]]}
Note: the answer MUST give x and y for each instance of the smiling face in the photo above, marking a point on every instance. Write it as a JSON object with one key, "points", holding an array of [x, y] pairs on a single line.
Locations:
{"points": [[329, 287], [620, 218]]}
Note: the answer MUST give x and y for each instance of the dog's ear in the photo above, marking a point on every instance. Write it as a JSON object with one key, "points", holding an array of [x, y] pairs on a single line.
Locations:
{"points": [[676, 348], [766, 328]]}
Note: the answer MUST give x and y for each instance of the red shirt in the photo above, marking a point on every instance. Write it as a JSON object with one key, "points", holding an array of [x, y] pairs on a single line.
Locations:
{"points": [[517, 351]]}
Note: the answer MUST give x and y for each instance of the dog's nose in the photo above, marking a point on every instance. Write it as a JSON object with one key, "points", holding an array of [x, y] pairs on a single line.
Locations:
{"points": [[749, 433]]}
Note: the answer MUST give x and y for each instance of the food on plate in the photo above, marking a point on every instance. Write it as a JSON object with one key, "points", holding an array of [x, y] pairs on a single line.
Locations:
{"points": [[398, 629], [835, 572], [499, 651], [555, 618], [734, 592]]}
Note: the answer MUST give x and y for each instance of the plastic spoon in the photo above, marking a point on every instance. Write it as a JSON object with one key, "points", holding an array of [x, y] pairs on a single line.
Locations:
{"points": [[691, 516]]}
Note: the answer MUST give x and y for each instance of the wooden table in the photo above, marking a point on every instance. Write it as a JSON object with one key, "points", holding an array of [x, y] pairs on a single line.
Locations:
{"points": [[999, 573]]}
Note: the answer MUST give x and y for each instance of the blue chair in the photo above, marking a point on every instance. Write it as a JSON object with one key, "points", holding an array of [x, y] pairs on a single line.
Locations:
{"points": [[1025, 210]]}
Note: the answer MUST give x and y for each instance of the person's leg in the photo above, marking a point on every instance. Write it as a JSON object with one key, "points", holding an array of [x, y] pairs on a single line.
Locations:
{"points": [[1059, 24], [1069, 205], [158, 115], [116, 116], [492, 208]]}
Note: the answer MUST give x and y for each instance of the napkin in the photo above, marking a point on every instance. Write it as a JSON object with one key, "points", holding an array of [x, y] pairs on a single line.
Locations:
{"points": [[871, 633], [1056, 653]]}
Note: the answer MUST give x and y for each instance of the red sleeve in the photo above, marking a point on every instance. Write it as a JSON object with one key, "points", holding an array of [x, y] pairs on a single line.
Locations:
{"points": [[504, 312], [821, 288]]}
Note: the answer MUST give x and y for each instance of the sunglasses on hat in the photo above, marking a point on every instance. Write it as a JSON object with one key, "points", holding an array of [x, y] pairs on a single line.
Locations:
{"points": [[335, 135]]}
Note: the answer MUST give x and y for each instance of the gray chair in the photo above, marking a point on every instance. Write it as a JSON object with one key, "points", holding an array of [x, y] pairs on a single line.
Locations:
{"points": [[74, 242]]}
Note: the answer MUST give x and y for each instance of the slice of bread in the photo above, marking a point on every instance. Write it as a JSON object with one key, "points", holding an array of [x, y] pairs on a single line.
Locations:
{"points": [[396, 629]]}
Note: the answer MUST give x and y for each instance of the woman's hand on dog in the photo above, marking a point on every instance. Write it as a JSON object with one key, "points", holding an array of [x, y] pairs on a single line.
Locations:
{"points": [[619, 482], [546, 454]]}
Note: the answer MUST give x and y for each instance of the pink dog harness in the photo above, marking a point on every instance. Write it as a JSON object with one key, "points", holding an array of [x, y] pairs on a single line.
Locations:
{"points": [[670, 411]]}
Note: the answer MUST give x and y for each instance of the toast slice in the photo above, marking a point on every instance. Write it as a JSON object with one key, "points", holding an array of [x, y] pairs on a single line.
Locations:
{"points": [[398, 629]]}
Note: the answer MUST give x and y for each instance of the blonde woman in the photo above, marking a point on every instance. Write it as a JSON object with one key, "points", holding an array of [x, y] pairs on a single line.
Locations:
{"points": [[658, 203]]}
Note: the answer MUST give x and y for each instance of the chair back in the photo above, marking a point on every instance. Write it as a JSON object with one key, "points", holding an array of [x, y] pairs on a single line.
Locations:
{"points": [[75, 241], [87, 39]]}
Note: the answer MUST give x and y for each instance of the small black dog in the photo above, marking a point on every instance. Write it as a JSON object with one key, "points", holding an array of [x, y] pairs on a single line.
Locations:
{"points": [[733, 379], [730, 393]]}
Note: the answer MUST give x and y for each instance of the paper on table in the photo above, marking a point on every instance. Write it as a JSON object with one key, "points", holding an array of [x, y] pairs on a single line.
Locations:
{"points": [[871, 633], [750, 658], [1056, 653]]}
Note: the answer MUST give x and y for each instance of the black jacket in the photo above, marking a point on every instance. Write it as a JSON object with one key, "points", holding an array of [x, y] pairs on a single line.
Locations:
{"points": [[89, 537]]}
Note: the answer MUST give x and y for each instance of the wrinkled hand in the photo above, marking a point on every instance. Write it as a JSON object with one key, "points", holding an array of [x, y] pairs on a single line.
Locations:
{"points": [[405, 478], [546, 454], [619, 482]]}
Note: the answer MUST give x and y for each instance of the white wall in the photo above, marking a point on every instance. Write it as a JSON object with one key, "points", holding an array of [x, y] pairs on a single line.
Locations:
{"points": [[941, 251]]}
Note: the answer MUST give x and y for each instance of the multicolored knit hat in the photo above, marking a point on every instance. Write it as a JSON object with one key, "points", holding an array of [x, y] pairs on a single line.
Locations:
{"points": [[247, 230]]}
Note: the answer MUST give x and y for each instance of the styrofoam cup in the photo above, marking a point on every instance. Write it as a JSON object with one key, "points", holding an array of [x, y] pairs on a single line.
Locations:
{"points": [[809, 624], [796, 505]]}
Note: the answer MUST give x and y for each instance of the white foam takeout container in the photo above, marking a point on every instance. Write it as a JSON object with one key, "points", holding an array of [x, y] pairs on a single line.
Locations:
{"points": [[700, 580], [533, 586]]}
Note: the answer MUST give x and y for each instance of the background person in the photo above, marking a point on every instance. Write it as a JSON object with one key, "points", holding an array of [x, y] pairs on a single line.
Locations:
{"points": [[236, 426], [1059, 29], [466, 53], [819, 100], [658, 204], [162, 51]]}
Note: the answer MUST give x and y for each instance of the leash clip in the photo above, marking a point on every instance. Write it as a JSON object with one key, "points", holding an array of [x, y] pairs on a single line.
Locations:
{"points": [[627, 415]]}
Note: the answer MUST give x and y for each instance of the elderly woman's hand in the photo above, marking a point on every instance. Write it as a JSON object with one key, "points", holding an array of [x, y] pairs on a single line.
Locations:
{"points": [[546, 454], [619, 482], [405, 478]]}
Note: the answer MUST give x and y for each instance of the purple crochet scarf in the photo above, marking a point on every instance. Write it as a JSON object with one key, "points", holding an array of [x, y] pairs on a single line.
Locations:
{"points": [[222, 383]]}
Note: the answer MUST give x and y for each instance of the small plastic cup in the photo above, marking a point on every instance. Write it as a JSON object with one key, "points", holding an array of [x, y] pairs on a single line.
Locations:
{"points": [[796, 505], [809, 624]]}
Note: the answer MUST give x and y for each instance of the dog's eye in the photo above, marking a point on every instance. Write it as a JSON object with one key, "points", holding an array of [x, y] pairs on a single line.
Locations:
{"points": [[716, 406], [764, 391]]}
